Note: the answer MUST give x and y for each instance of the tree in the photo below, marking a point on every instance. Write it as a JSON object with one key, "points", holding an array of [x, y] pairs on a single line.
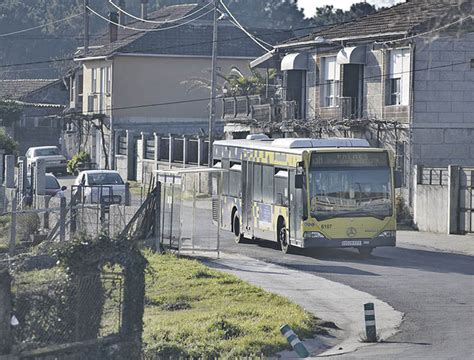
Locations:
{"points": [[328, 15], [283, 14], [235, 83]]}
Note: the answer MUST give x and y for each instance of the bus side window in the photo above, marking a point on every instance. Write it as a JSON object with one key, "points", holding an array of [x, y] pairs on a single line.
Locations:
{"points": [[281, 187], [235, 174], [257, 182], [225, 177], [267, 183]]}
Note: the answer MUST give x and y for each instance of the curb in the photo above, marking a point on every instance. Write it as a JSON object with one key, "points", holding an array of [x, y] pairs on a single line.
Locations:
{"points": [[327, 299]]}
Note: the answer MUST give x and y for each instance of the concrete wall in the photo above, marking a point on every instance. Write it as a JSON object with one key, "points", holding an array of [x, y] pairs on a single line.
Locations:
{"points": [[431, 208], [443, 123]]}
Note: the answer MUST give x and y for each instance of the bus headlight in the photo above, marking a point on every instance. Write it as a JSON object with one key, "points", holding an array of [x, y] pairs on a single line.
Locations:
{"points": [[387, 234], [313, 234]]}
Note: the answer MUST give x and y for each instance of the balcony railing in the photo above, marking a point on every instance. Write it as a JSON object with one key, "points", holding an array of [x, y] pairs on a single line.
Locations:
{"points": [[248, 109]]}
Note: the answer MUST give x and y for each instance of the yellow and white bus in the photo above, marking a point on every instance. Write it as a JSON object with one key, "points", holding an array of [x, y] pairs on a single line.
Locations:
{"points": [[308, 193]]}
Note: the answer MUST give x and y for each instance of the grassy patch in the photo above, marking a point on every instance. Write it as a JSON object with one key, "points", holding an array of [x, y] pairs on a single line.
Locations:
{"points": [[193, 311], [137, 188]]}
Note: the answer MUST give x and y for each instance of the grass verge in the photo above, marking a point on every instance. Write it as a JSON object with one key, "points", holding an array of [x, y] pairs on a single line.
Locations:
{"points": [[194, 312]]}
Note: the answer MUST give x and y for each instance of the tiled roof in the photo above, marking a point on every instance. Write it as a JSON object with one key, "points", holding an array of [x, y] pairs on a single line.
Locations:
{"points": [[17, 89], [411, 17], [194, 38]]}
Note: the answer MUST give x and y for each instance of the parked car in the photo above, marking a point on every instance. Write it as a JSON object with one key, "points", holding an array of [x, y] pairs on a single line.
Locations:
{"points": [[52, 188], [100, 185], [55, 162]]}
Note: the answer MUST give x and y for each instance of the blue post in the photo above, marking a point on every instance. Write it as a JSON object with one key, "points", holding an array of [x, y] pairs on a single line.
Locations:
{"points": [[294, 341], [370, 329]]}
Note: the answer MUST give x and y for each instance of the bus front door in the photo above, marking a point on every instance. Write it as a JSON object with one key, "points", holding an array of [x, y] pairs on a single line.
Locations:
{"points": [[295, 203], [247, 194]]}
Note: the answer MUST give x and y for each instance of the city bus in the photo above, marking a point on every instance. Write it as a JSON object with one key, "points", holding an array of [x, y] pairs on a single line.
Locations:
{"points": [[307, 193]]}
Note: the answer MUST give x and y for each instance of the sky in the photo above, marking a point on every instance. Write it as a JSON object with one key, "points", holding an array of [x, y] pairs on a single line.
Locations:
{"points": [[309, 6]]}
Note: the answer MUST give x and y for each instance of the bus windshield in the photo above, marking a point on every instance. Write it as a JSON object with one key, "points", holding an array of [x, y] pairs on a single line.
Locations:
{"points": [[350, 192]]}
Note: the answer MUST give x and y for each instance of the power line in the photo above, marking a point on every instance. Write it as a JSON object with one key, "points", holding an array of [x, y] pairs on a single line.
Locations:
{"points": [[236, 23], [179, 102], [431, 31], [154, 21], [176, 46], [148, 30], [41, 26]]}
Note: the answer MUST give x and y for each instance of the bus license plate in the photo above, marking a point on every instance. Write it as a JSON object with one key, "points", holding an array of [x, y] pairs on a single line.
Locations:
{"points": [[352, 243]]}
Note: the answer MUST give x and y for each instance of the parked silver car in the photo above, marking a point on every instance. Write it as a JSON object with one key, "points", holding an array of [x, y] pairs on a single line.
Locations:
{"points": [[55, 162], [100, 186]]}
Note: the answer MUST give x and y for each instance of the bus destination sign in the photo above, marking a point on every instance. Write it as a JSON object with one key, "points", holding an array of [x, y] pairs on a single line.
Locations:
{"points": [[349, 159]]}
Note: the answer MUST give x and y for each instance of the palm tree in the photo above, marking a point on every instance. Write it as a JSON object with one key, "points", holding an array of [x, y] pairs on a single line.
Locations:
{"points": [[235, 83]]}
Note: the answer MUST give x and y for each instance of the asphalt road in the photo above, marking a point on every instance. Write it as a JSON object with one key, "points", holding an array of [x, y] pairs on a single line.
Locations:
{"points": [[435, 291]]}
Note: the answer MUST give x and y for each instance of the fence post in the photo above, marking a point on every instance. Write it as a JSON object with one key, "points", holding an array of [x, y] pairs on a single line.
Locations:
{"points": [[158, 210], [5, 312], [130, 160], [62, 220], [10, 171], [200, 150], [13, 226], [156, 153], [171, 150], [453, 199], [40, 178], [185, 150]]}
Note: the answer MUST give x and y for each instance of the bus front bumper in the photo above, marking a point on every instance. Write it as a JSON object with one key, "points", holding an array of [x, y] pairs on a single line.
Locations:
{"points": [[339, 243]]}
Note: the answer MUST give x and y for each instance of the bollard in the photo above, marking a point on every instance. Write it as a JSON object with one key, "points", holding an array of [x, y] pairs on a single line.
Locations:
{"points": [[370, 329], [295, 343]]}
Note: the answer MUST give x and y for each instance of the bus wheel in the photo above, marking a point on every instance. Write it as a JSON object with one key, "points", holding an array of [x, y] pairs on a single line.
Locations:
{"points": [[283, 239], [238, 238], [365, 251]]}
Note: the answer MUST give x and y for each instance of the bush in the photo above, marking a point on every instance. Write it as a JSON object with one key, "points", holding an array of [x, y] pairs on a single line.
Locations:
{"points": [[78, 159], [403, 213], [9, 145]]}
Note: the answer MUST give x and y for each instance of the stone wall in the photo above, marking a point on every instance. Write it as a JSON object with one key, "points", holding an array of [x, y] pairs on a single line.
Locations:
{"points": [[443, 124], [431, 210]]}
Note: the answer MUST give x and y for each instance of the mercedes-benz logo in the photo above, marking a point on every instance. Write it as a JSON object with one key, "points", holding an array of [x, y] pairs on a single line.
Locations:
{"points": [[351, 232]]}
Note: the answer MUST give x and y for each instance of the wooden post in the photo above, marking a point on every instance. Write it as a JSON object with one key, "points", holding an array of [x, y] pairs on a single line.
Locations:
{"points": [[5, 312]]}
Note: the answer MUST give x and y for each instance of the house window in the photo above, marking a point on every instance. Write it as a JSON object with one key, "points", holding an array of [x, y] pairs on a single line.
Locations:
{"points": [[395, 98], [107, 80], [80, 81], [94, 81], [72, 89], [101, 90], [330, 81], [399, 77]]}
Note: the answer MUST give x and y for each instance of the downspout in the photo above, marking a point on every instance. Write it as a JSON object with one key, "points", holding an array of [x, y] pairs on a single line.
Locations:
{"points": [[112, 130], [410, 123]]}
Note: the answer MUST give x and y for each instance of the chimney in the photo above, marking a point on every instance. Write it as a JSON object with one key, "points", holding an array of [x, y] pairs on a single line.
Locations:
{"points": [[144, 9], [122, 16], [113, 28]]}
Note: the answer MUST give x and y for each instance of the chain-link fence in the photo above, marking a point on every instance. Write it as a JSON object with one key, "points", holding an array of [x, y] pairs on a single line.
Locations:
{"points": [[27, 227], [190, 209], [50, 308]]}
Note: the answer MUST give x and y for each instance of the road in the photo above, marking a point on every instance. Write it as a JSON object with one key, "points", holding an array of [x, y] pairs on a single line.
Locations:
{"points": [[435, 291]]}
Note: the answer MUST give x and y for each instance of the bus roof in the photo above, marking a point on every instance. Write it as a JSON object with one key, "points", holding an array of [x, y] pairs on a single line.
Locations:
{"points": [[296, 145]]}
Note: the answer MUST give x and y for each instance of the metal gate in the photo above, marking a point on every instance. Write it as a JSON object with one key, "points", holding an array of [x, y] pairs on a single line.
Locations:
{"points": [[466, 200]]}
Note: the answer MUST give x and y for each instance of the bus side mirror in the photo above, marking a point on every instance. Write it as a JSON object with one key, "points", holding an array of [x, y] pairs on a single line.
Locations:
{"points": [[298, 181], [398, 178]]}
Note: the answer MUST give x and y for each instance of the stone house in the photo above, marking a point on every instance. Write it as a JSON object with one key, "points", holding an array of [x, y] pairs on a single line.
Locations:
{"points": [[402, 78], [140, 80], [43, 102]]}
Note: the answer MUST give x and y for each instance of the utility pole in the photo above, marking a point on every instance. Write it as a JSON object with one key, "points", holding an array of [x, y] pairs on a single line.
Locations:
{"points": [[212, 107], [86, 27]]}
